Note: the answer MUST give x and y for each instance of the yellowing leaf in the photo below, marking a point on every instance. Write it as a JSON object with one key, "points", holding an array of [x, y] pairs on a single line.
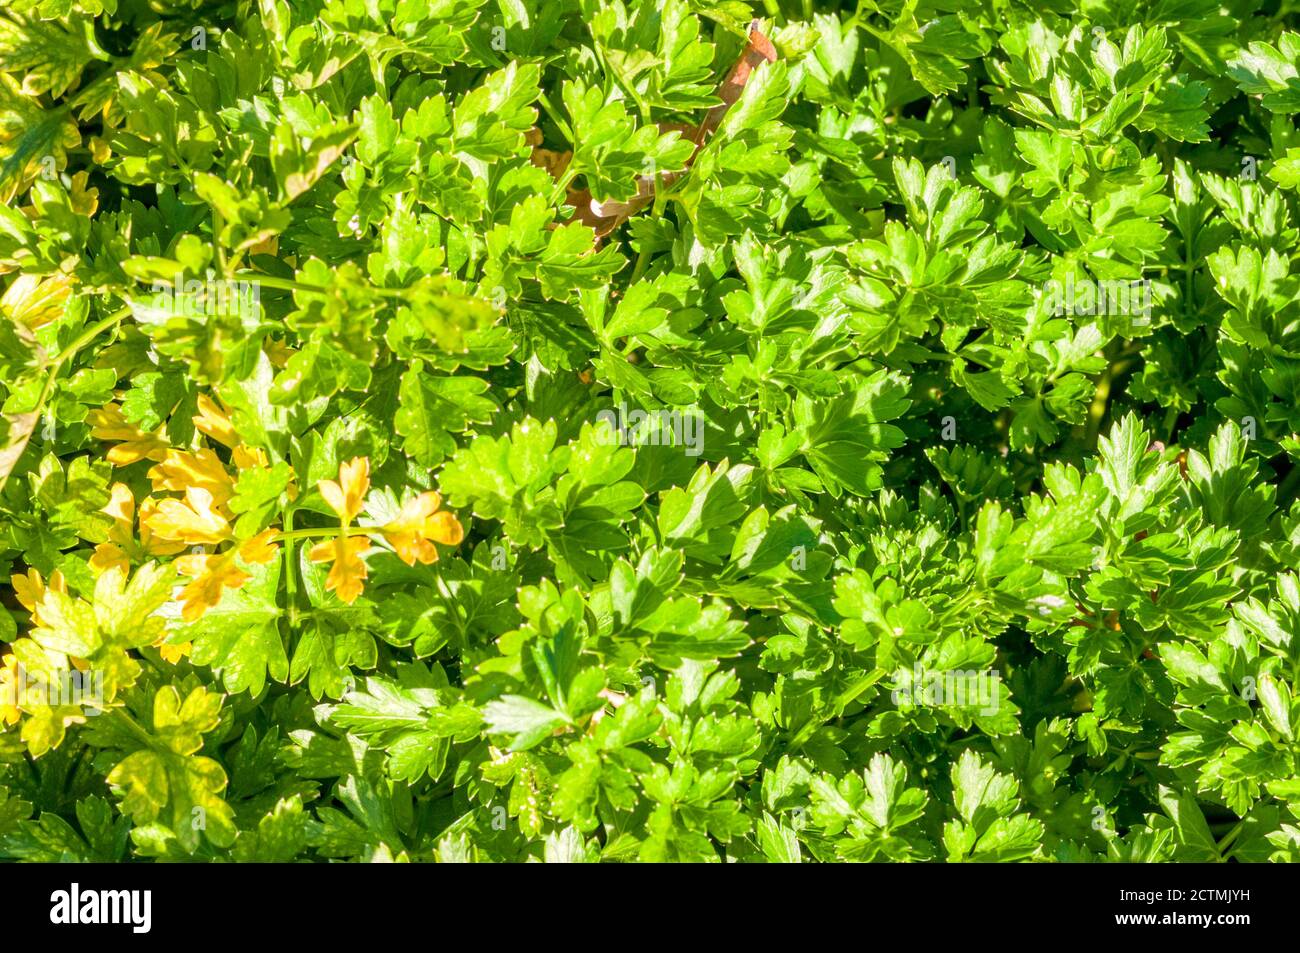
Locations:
{"points": [[121, 534], [347, 496], [30, 589], [169, 779], [193, 522], [9, 710], [34, 302], [347, 575], [181, 469], [261, 548], [121, 547], [214, 422], [211, 574], [248, 458], [134, 444], [418, 526]]}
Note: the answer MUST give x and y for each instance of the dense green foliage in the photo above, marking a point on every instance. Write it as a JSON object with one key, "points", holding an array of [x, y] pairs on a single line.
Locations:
{"points": [[969, 531]]}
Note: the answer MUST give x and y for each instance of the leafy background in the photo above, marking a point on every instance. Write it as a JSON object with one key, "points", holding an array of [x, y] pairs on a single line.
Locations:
{"points": [[909, 461]]}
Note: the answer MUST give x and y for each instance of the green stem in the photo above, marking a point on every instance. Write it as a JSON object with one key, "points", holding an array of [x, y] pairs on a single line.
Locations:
{"points": [[136, 728], [290, 577], [289, 284], [324, 532], [90, 334], [850, 694], [1229, 838], [557, 118], [31, 766], [643, 256], [281, 284], [561, 191], [55, 366], [880, 35], [71, 351], [1100, 401], [1120, 365], [218, 223]]}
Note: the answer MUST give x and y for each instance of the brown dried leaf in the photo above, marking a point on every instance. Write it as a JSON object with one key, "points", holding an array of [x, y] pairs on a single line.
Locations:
{"points": [[15, 431], [604, 217], [759, 50]]}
